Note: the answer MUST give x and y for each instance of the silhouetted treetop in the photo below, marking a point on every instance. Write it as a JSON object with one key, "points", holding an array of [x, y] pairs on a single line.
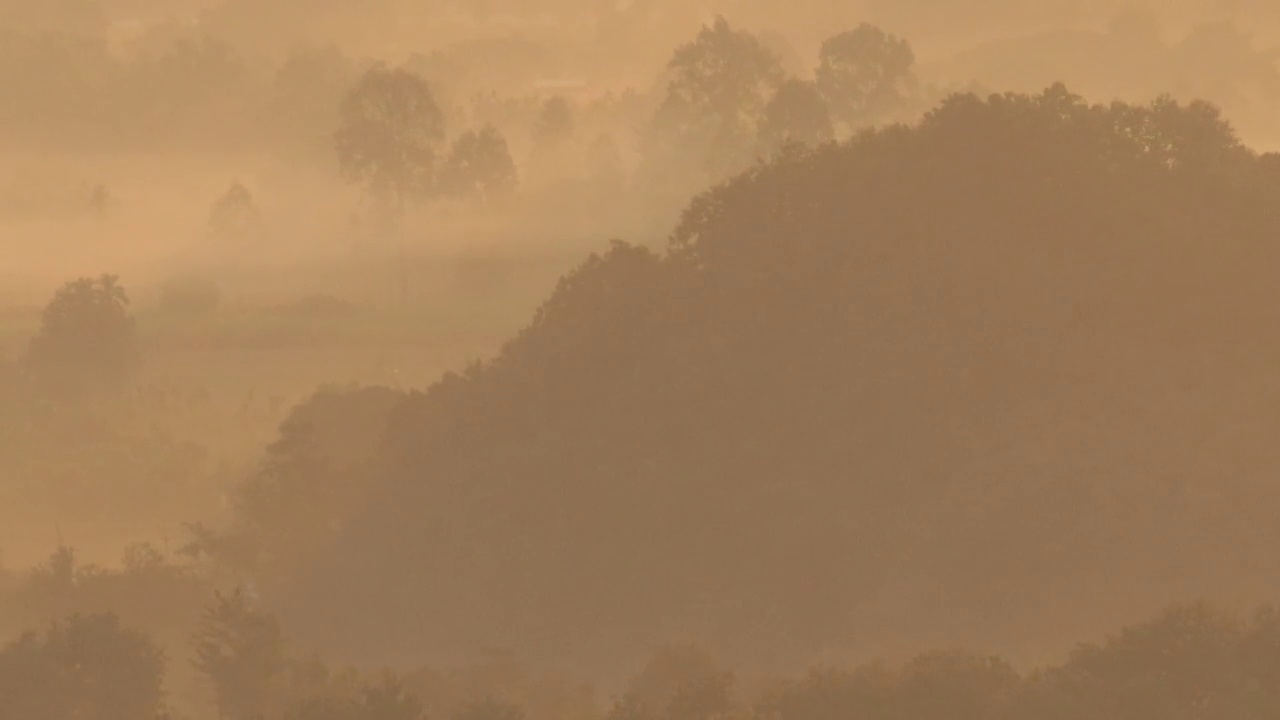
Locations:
{"points": [[84, 667], [718, 85], [797, 113], [87, 339], [313, 475], [239, 650], [234, 216], [864, 74], [555, 121], [390, 130], [479, 166]]}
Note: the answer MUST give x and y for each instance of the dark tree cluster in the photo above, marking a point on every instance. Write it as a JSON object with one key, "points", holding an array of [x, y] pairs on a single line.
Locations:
{"points": [[391, 137], [87, 339], [1190, 662], [729, 99], [825, 374]]}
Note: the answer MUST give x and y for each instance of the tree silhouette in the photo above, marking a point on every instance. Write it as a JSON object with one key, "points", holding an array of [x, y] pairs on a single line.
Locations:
{"points": [[100, 200], [234, 216], [1191, 661], [554, 124], [311, 480], [864, 74], [87, 340], [241, 651], [390, 129], [797, 113], [479, 166], [385, 699], [84, 668], [718, 85]]}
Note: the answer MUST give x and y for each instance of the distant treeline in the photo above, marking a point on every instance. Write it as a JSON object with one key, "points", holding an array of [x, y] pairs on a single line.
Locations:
{"points": [[1190, 662]]}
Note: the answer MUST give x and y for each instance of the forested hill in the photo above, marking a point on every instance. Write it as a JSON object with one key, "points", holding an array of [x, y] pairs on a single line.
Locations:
{"points": [[1009, 369]]}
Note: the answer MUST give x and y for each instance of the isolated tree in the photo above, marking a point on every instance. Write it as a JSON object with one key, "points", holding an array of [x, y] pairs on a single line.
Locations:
{"points": [[87, 338], [241, 651], [390, 130], [100, 200], [554, 124], [84, 668], [234, 216], [718, 85], [797, 113], [864, 74], [480, 166]]}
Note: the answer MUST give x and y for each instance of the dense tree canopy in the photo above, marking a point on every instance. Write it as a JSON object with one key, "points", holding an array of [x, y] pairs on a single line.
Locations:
{"points": [[86, 668], [390, 129], [87, 339], [479, 166], [239, 649], [864, 74], [797, 113], [555, 122], [906, 369], [719, 82], [299, 499]]}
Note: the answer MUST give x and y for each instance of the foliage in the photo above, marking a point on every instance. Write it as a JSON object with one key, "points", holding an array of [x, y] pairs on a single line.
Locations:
{"points": [[235, 217], [386, 699], [479, 166], [555, 122], [147, 591], [1192, 661], [390, 130], [680, 682], [83, 668], [797, 113], [787, 383], [87, 340], [240, 650], [864, 74], [718, 85], [313, 478]]}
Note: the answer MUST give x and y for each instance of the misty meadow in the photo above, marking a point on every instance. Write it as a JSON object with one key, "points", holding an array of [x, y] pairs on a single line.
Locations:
{"points": [[644, 360]]}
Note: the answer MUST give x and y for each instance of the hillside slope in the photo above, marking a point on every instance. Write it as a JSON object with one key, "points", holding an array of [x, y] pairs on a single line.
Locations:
{"points": [[993, 378]]}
